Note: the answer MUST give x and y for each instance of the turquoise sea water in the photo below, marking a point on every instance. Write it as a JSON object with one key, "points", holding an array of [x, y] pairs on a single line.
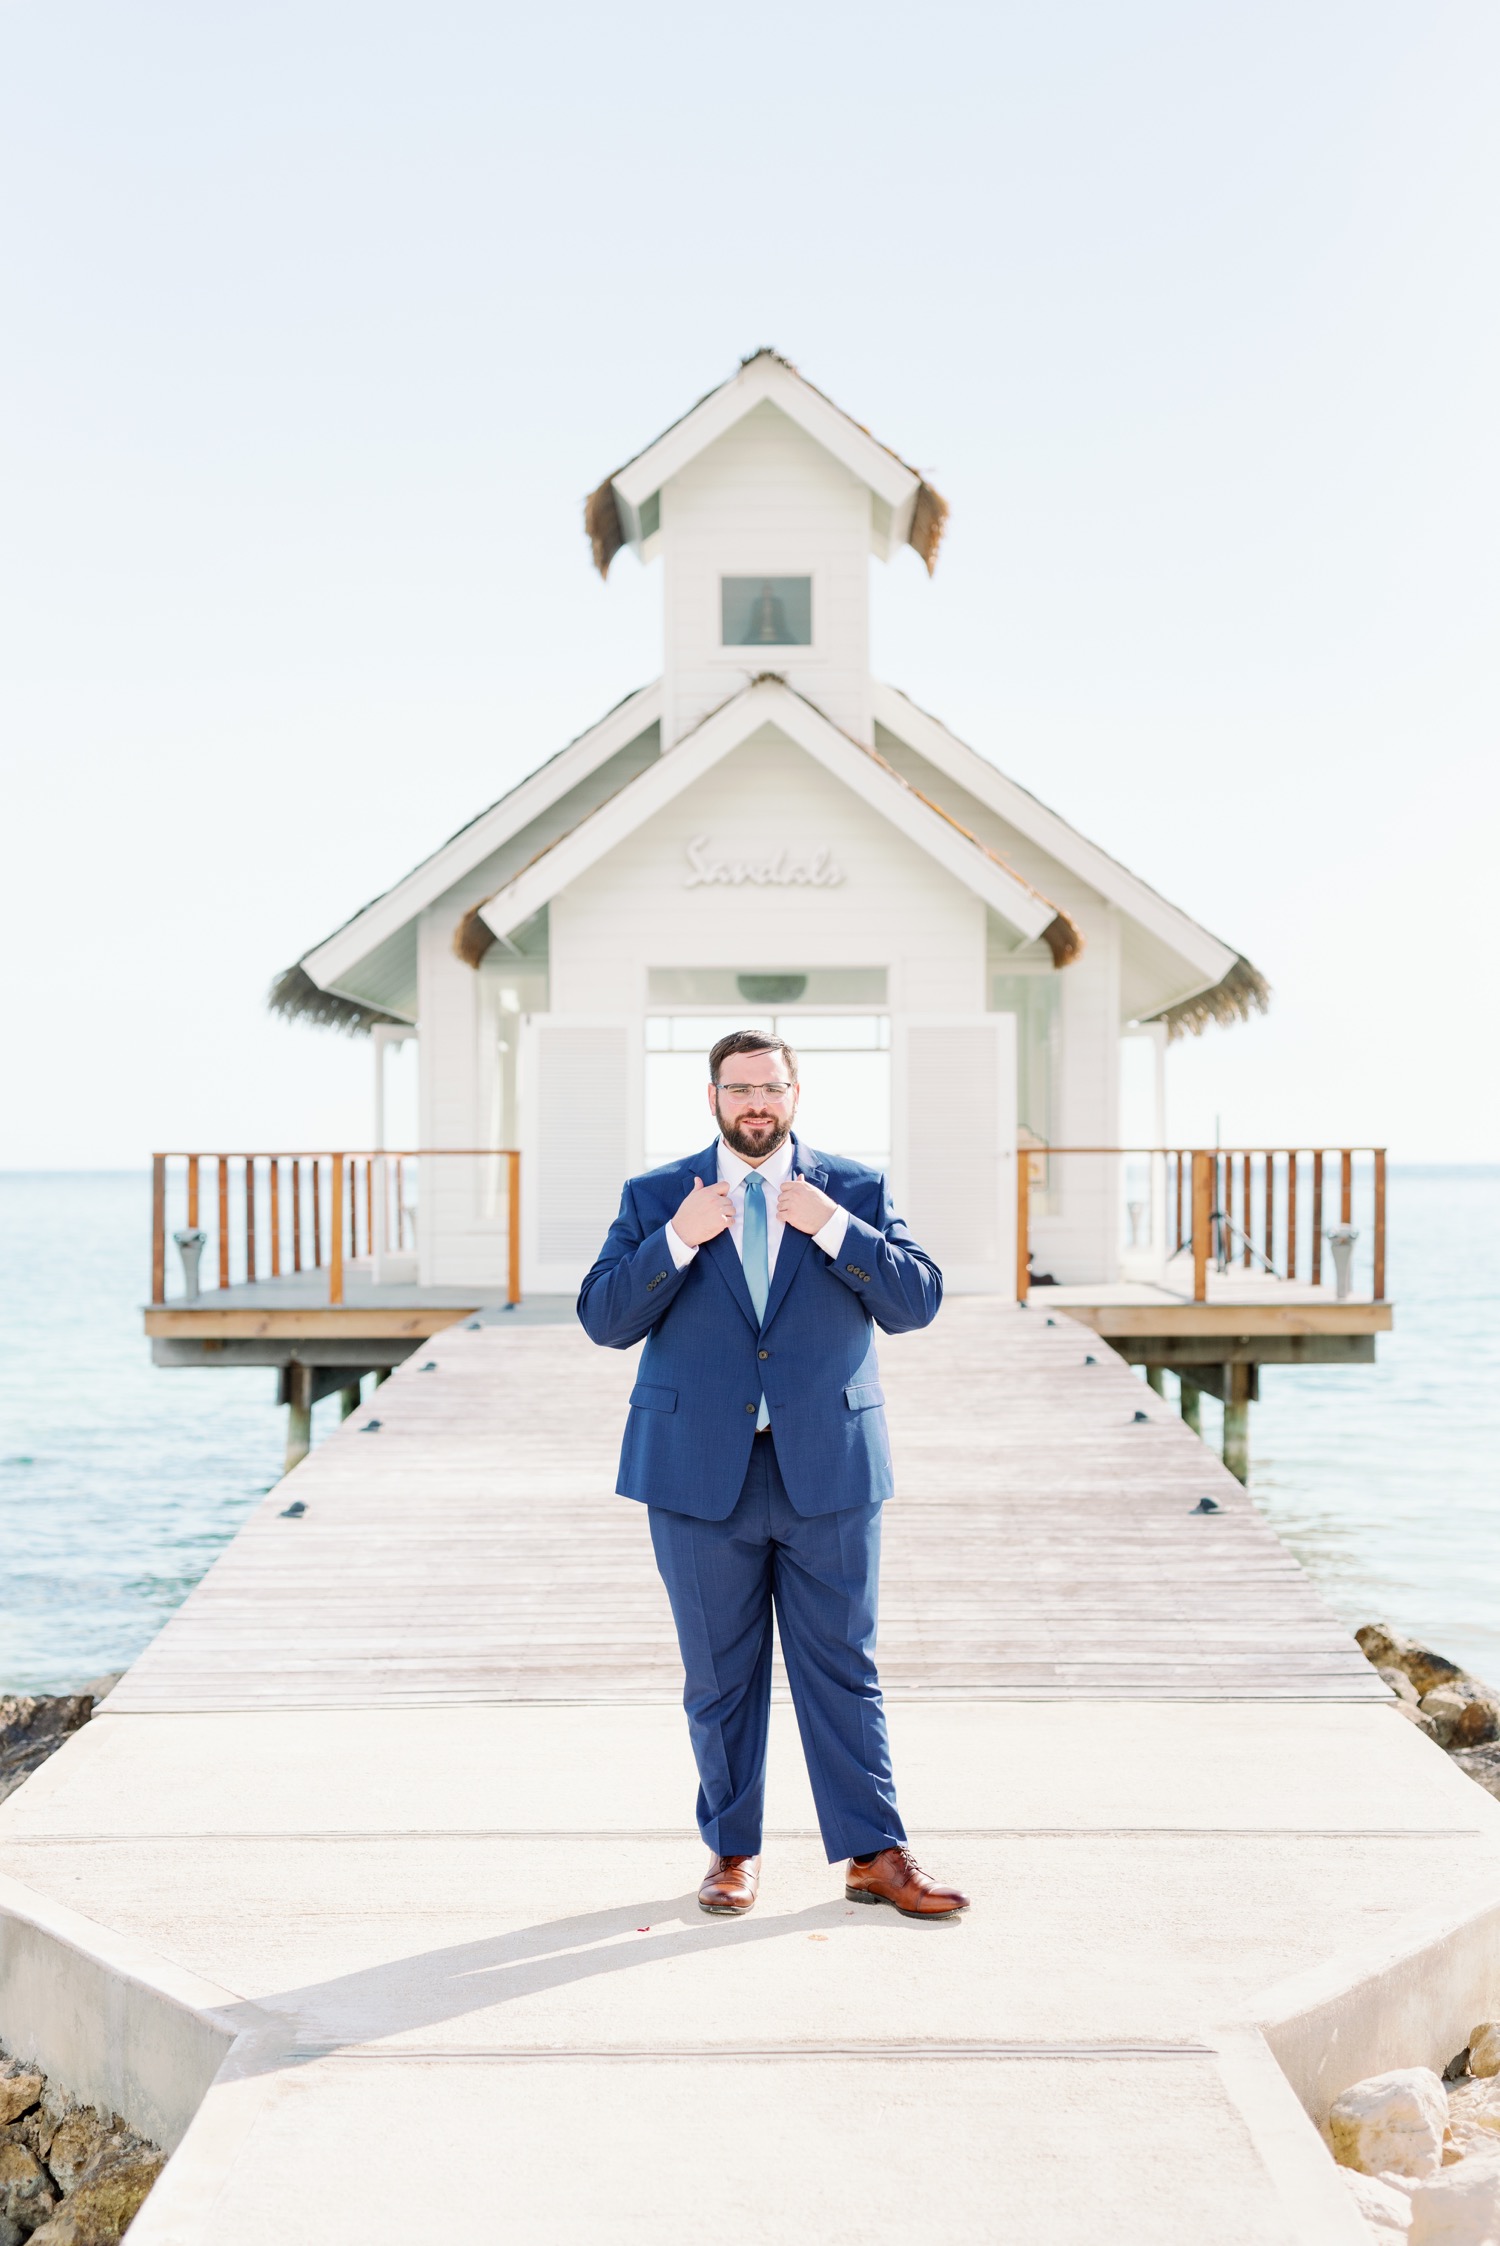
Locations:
{"points": [[119, 1483]]}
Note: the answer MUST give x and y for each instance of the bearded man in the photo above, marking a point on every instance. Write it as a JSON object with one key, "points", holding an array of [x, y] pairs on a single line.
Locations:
{"points": [[756, 1273]]}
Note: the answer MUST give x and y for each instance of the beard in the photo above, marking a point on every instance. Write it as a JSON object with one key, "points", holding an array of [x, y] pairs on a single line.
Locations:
{"points": [[753, 1144]]}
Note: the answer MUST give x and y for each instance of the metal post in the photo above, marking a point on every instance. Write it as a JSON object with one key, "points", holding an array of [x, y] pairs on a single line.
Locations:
{"points": [[1237, 1420], [1191, 1402], [298, 1392]]}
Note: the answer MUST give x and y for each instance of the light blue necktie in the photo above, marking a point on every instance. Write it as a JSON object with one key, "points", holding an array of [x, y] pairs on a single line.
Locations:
{"points": [[757, 1264]]}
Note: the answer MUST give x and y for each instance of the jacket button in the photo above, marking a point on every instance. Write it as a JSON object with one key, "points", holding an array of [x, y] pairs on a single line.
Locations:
{"points": [[763, 1354], [749, 1407]]}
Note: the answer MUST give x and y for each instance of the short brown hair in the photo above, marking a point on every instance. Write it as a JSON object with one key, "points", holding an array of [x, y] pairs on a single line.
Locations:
{"points": [[749, 1041]]}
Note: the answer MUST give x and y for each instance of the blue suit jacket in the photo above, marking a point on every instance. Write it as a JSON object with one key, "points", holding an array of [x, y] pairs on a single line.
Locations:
{"points": [[708, 1358]]}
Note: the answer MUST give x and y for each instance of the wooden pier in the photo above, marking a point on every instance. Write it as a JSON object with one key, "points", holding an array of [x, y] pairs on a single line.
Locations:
{"points": [[314, 1270], [405, 1783]]}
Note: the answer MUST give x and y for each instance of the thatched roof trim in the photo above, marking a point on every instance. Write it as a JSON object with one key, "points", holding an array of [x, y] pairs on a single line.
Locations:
{"points": [[472, 938], [601, 522], [929, 519], [1239, 994], [601, 513], [1064, 939], [297, 998]]}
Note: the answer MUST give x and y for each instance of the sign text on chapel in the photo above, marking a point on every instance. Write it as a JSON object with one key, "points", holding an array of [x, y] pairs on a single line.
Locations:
{"points": [[780, 869]]}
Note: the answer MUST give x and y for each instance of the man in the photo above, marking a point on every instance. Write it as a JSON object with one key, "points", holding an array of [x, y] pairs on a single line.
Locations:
{"points": [[756, 1272]]}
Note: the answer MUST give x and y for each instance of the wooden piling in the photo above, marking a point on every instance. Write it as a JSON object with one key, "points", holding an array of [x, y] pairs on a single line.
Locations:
{"points": [[1190, 1404], [298, 1414], [1237, 1420]]}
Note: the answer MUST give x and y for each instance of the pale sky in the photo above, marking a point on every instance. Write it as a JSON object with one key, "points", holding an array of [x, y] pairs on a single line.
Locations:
{"points": [[321, 319]]}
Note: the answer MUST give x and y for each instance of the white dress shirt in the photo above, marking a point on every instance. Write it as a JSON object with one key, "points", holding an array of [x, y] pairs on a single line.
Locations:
{"points": [[773, 1172]]}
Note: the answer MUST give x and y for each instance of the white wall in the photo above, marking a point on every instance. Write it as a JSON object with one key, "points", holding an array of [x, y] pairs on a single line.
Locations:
{"points": [[766, 501]]}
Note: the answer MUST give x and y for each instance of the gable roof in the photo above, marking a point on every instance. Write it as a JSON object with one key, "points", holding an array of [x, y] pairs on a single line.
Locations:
{"points": [[323, 968], [914, 514], [1231, 990], [579, 794], [769, 700]]}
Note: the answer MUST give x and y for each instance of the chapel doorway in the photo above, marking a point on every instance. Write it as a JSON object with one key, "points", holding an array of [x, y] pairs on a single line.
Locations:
{"points": [[835, 1020]]}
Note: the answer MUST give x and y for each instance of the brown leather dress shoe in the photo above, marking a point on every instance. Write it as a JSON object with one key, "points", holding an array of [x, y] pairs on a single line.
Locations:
{"points": [[729, 1886], [895, 1877]]}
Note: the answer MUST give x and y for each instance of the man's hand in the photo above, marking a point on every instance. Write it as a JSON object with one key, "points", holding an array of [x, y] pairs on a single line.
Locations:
{"points": [[802, 1205], [703, 1215]]}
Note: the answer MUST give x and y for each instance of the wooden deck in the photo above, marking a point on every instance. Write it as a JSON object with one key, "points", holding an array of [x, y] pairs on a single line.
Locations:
{"points": [[1044, 1543]]}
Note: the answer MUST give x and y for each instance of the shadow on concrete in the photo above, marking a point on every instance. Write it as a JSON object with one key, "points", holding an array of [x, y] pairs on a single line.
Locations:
{"points": [[433, 1987]]}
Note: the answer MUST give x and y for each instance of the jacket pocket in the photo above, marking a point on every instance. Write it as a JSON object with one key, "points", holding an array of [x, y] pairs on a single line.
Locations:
{"points": [[863, 1396], [647, 1398]]}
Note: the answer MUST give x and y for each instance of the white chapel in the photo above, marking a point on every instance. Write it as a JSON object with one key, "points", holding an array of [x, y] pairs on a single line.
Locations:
{"points": [[767, 834]]}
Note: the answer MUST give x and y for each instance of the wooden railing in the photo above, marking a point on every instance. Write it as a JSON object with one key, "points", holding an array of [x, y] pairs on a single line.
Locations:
{"points": [[271, 1216], [1261, 1208]]}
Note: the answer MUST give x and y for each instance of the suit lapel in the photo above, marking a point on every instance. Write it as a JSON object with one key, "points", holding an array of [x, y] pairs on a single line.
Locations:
{"points": [[721, 1252], [794, 1244]]}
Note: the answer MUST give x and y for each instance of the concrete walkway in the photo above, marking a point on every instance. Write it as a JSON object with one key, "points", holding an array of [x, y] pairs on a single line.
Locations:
{"points": [[397, 1812]]}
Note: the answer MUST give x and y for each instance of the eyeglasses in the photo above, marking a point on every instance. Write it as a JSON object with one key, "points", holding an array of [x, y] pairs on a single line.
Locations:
{"points": [[744, 1091]]}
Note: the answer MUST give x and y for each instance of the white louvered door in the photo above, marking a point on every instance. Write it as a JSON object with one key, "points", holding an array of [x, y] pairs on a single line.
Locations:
{"points": [[580, 1101], [953, 1154]]}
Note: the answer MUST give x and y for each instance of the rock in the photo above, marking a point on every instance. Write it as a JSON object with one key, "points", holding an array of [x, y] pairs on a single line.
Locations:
{"points": [[1484, 2049], [1480, 1721], [26, 2195], [1385, 2209], [1391, 2121], [1385, 1648], [1400, 1684], [20, 2088], [108, 2197], [1466, 1714], [1459, 2208], [1482, 1764], [1413, 1714], [33, 1726], [1476, 2099], [1444, 1706], [79, 2138]]}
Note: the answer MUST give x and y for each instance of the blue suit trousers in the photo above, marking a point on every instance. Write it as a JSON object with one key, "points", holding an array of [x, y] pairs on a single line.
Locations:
{"points": [[820, 1574]]}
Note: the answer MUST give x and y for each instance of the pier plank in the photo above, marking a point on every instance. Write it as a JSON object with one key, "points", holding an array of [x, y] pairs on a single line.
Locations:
{"points": [[1044, 1543]]}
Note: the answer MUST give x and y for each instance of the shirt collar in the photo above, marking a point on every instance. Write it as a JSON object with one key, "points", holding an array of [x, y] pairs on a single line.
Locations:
{"points": [[734, 1172]]}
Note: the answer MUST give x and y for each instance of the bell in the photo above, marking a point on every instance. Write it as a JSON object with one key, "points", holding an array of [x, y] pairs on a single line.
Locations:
{"points": [[769, 628]]}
